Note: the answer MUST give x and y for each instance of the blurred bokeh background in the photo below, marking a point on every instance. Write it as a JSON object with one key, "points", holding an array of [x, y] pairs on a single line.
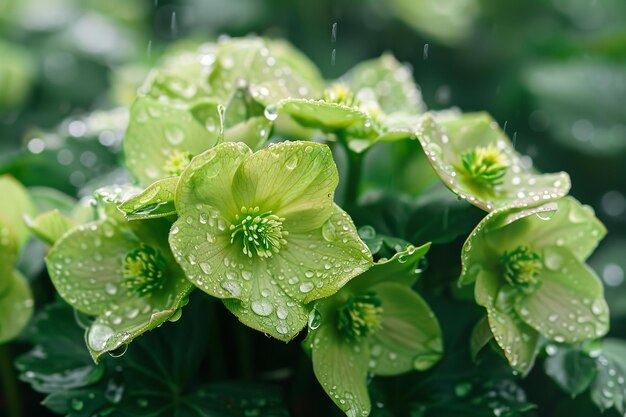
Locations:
{"points": [[552, 72]]}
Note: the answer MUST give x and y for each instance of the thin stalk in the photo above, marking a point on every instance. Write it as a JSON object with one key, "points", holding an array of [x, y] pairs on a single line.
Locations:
{"points": [[10, 388]]}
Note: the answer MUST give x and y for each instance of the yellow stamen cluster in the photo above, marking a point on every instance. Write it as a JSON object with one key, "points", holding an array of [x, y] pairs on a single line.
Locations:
{"points": [[177, 161], [261, 233], [521, 267], [360, 315], [143, 270], [486, 165]]}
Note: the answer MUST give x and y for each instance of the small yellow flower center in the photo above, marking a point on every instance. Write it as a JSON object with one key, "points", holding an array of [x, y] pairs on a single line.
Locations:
{"points": [[143, 270], [340, 94], [360, 315], [261, 233], [177, 161], [521, 267], [486, 165]]}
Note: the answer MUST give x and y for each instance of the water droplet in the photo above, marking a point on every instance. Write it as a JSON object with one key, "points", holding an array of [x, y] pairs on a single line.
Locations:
{"points": [[306, 287], [315, 319], [262, 308], [291, 162], [98, 336], [271, 113], [76, 404]]}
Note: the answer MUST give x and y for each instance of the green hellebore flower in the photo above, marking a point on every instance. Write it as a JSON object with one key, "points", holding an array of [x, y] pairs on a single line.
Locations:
{"points": [[123, 273], [476, 160], [261, 232], [16, 300], [377, 325], [530, 274]]}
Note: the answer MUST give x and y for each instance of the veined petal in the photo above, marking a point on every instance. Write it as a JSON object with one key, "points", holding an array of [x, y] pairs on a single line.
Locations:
{"points": [[16, 305], [569, 305], [476, 160], [160, 137], [341, 368], [288, 178], [14, 205], [410, 337], [8, 254]]}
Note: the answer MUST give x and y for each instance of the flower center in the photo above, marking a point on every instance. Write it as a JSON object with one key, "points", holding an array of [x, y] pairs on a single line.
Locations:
{"points": [[521, 267], [143, 270], [486, 165], [177, 161], [261, 233], [340, 94], [360, 315]]}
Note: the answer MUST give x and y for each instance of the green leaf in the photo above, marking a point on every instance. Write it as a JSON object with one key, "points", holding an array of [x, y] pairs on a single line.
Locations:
{"points": [[16, 306], [59, 361], [608, 389], [155, 201], [410, 336], [518, 341], [448, 142], [569, 304], [157, 133], [50, 226], [160, 374], [571, 368], [294, 181], [15, 204], [341, 368], [390, 83], [86, 268]]}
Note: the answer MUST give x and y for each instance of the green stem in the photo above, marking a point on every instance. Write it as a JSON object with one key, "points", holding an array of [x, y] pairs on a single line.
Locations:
{"points": [[10, 388], [355, 165]]}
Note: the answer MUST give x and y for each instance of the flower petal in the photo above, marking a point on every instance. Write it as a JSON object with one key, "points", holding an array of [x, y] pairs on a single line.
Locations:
{"points": [[341, 368], [518, 341], [155, 201], [14, 204], [8, 253], [50, 226], [157, 130], [446, 141], [410, 336], [323, 115], [208, 180], [569, 305], [289, 178], [391, 83], [16, 305]]}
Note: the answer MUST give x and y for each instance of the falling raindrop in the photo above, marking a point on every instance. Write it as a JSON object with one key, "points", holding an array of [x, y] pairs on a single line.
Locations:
{"points": [[425, 51]]}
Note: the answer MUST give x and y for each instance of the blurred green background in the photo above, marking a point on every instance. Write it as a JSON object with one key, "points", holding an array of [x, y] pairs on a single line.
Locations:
{"points": [[552, 72]]}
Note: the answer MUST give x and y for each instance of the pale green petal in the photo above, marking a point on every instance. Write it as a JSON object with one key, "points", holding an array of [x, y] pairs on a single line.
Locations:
{"points": [[254, 132], [15, 203], [155, 131], [208, 180], [481, 336], [341, 368], [569, 305], [518, 341], [390, 82], [50, 226], [446, 141], [402, 268], [254, 61], [16, 306], [121, 324], [289, 178], [410, 337], [324, 115], [155, 201], [318, 263]]}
